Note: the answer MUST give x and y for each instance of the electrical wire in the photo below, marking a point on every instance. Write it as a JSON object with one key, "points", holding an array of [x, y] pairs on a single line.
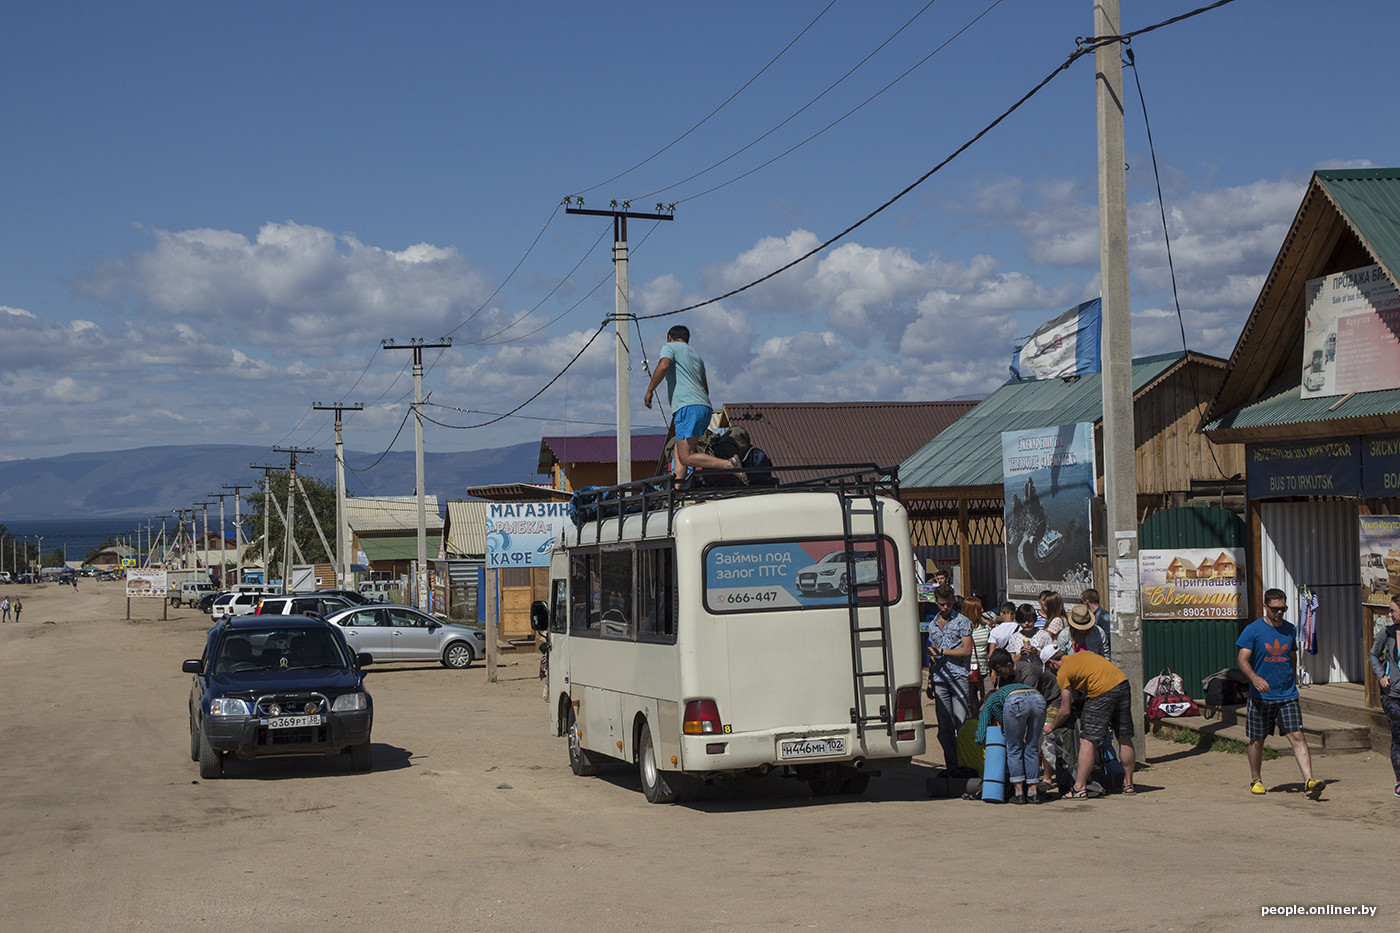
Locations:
{"points": [[724, 104], [793, 148], [531, 249], [1171, 267], [1083, 47]]}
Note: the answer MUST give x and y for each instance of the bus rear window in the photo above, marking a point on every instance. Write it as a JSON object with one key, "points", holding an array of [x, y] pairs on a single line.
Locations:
{"points": [[811, 574]]}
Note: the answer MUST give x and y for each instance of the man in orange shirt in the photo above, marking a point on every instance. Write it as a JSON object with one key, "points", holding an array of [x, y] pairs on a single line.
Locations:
{"points": [[1109, 704]]}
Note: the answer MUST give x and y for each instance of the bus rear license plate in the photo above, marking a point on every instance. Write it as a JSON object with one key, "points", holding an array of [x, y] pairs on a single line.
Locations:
{"points": [[813, 748]]}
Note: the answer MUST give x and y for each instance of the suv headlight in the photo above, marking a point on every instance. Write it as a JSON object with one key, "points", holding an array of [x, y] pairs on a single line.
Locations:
{"points": [[228, 706], [349, 701]]}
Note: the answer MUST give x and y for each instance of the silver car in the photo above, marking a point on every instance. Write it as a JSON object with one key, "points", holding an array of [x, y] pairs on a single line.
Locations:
{"points": [[398, 633]]}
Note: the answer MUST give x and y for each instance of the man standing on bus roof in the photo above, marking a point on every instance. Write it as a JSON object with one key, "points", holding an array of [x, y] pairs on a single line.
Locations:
{"points": [[689, 395], [950, 652]]}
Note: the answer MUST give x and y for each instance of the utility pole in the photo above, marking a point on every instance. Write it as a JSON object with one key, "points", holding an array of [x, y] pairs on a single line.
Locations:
{"points": [[267, 509], [342, 527], [622, 317], [1120, 467], [223, 555], [291, 511], [420, 579], [205, 506], [237, 529]]}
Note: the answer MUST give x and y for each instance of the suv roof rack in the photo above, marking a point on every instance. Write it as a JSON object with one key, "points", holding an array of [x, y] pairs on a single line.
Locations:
{"points": [[657, 496]]}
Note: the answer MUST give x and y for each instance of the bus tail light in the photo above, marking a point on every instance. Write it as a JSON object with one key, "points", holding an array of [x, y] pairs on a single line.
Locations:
{"points": [[702, 718], [908, 707]]}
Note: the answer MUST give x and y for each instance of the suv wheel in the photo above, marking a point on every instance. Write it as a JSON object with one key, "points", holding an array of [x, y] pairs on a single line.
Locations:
{"points": [[211, 762], [194, 741], [360, 757]]}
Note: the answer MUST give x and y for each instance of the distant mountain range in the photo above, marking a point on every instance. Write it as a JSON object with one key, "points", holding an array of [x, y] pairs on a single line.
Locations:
{"points": [[154, 480]]}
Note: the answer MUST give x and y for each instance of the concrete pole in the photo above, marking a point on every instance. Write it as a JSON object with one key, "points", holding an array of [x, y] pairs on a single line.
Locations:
{"points": [[624, 361], [342, 528], [1120, 468], [421, 575], [290, 537]]}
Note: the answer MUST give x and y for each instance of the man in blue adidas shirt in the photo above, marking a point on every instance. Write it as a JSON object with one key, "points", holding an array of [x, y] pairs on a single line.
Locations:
{"points": [[1268, 648], [689, 394]]}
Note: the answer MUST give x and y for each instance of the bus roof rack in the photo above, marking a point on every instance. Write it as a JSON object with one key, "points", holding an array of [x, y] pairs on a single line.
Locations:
{"points": [[657, 496]]}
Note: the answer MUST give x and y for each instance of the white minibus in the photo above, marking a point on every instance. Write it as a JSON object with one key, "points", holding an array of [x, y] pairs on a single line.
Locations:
{"points": [[708, 633]]}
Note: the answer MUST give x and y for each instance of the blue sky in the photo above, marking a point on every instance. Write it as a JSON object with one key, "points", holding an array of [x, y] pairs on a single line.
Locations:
{"points": [[212, 214]]}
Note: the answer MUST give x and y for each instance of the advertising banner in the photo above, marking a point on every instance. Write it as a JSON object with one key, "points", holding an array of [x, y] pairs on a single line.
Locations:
{"points": [[1380, 559], [1192, 583], [522, 534], [752, 577], [1351, 336], [1380, 466], [1049, 479], [146, 583]]}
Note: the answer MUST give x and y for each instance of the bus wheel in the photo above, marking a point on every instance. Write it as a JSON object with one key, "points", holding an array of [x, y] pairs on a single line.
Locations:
{"points": [[580, 762], [655, 784]]}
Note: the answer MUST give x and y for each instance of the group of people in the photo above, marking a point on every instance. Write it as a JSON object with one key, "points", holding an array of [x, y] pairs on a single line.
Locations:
{"points": [[1026, 662], [6, 606], [1035, 672]]}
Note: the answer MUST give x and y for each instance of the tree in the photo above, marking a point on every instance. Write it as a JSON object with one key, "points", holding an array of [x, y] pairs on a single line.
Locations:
{"points": [[19, 555], [322, 502]]}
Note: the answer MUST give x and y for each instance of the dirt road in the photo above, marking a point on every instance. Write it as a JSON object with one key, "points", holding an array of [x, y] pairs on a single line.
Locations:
{"points": [[471, 820]]}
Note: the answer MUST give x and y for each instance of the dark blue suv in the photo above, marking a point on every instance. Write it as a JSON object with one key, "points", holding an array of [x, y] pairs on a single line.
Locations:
{"points": [[269, 686]]}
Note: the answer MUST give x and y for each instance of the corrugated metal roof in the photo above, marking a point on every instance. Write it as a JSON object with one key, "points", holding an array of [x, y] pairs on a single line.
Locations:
{"points": [[398, 547], [883, 433], [597, 448], [1369, 200], [389, 513], [969, 452], [1284, 405], [518, 492], [1347, 219], [466, 526]]}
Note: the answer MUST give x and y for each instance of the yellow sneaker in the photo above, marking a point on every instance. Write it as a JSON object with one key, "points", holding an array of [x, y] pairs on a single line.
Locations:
{"points": [[1313, 788], [1257, 787]]}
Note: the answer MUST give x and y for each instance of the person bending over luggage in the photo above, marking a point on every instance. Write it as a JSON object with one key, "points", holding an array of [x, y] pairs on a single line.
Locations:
{"points": [[689, 394], [1020, 711]]}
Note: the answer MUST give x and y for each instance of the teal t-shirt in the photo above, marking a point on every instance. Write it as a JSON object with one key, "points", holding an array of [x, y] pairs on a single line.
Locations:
{"points": [[685, 378]]}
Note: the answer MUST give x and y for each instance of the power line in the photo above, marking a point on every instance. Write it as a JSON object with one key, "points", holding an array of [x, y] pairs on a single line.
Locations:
{"points": [[725, 103]]}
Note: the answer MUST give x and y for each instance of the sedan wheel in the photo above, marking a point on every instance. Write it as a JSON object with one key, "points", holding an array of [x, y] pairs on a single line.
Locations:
{"points": [[458, 656]]}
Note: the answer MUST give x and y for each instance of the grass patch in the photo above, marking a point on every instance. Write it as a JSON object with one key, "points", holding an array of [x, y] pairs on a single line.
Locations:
{"points": [[1207, 742]]}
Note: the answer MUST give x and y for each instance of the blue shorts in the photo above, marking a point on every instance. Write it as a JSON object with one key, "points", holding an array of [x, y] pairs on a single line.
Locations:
{"points": [[691, 421]]}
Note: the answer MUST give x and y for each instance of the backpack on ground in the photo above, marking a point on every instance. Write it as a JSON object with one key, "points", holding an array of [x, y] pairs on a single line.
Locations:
{"points": [[1228, 687]]}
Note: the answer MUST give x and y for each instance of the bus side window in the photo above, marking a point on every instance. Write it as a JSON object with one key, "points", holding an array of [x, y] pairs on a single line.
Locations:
{"points": [[560, 609], [578, 593], [615, 592], [656, 593]]}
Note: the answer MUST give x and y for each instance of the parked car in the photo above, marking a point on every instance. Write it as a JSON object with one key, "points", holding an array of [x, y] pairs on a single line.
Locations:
{"points": [[398, 633], [304, 604], [353, 597], [377, 591], [274, 686], [206, 602], [238, 604], [191, 593]]}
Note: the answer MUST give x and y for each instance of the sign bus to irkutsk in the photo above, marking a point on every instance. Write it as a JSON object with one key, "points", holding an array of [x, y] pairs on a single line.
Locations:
{"points": [[522, 534]]}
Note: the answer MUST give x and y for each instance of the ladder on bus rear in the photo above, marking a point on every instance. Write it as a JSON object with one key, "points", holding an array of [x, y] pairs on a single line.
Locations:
{"points": [[874, 702]]}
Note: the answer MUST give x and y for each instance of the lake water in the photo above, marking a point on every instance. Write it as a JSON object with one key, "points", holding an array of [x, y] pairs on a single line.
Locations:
{"points": [[77, 536]]}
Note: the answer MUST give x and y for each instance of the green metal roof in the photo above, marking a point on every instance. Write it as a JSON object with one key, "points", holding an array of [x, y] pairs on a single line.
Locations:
{"points": [[398, 547], [968, 452], [1283, 404], [1370, 200]]}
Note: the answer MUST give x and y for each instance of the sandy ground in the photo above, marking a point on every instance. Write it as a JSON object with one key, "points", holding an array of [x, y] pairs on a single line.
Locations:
{"points": [[471, 820]]}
